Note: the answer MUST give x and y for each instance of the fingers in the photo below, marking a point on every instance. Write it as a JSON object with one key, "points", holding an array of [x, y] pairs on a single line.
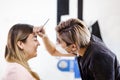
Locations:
{"points": [[40, 34], [39, 31]]}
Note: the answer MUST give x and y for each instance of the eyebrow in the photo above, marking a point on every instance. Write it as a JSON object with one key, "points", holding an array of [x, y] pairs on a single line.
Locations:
{"points": [[35, 36]]}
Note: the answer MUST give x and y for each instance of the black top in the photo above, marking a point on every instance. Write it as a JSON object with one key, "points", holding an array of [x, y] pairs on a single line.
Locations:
{"points": [[98, 62]]}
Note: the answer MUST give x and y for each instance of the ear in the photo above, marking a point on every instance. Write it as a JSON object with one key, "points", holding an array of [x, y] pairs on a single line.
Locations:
{"points": [[20, 44], [74, 47]]}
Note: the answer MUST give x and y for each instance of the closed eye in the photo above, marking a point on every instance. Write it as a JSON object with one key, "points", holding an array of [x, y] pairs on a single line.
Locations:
{"points": [[35, 37]]}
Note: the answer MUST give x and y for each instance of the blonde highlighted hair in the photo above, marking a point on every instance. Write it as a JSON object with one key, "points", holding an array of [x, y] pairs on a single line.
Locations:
{"points": [[13, 53], [74, 31]]}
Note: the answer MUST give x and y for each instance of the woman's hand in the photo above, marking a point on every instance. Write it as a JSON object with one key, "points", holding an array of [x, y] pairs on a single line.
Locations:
{"points": [[39, 31]]}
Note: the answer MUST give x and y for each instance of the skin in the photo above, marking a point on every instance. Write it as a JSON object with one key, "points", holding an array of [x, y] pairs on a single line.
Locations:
{"points": [[30, 46], [50, 46], [71, 49]]}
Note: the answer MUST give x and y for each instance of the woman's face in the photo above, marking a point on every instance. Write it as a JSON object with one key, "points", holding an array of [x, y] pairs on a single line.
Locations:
{"points": [[64, 45], [69, 48], [30, 46]]}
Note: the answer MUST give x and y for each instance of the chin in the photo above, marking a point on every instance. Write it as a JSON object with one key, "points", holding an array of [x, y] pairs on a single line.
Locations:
{"points": [[34, 56]]}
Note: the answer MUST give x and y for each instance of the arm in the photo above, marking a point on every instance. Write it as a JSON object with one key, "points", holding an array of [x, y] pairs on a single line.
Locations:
{"points": [[50, 47]]}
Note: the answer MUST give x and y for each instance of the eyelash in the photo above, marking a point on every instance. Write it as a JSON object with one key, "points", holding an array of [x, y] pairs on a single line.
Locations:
{"points": [[35, 38]]}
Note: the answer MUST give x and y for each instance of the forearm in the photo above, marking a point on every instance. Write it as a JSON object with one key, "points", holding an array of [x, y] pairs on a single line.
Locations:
{"points": [[48, 45]]}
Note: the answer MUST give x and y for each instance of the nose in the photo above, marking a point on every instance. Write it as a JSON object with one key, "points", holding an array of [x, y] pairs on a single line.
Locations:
{"points": [[38, 43]]}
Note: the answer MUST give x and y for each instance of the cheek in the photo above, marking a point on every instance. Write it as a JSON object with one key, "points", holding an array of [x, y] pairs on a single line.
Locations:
{"points": [[63, 45], [31, 50], [68, 50], [31, 53]]}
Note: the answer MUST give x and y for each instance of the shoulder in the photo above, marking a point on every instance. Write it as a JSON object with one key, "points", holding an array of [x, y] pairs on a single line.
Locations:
{"points": [[15, 71], [100, 49], [16, 68], [103, 59], [101, 54]]}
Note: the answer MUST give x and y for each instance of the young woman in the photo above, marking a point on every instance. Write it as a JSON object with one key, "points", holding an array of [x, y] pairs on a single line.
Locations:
{"points": [[21, 46]]}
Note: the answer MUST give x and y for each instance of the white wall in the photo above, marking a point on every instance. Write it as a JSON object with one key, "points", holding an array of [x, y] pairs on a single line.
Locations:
{"points": [[36, 12]]}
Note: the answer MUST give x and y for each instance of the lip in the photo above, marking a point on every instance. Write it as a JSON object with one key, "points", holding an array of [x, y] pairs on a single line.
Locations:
{"points": [[36, 50]]}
